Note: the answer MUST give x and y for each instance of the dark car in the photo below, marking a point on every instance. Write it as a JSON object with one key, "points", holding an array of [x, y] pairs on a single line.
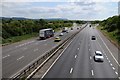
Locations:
{"points": [[93, 38], [71, 28]]}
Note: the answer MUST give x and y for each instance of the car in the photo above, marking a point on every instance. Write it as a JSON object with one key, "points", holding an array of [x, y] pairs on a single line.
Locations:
{"points": [[57, 39], [90, 26], [93, 38], [77, 28], [98, 57], [61, 34], [71, 28], [67, 31]]}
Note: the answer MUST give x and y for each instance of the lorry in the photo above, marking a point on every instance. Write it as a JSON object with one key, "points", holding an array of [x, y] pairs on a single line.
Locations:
{"points": [[46, 33]]}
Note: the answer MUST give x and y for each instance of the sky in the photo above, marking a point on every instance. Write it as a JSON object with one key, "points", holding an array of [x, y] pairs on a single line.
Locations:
{"points": [[69, 9]]}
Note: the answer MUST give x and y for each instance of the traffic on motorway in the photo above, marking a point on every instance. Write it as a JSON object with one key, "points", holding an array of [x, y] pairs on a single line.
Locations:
{"points": [[86, 54]]}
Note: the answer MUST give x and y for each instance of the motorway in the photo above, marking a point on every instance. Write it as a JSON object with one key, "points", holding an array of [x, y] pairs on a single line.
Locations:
{"points": [[19, 55], [76, 60]]}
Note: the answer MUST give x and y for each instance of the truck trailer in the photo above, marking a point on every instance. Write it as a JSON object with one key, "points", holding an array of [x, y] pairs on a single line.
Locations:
{"points": [[46, 33]]}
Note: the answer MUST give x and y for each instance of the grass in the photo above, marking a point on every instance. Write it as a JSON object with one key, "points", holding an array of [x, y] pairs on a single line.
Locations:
{"points": [[18, 38], [110, 35]]}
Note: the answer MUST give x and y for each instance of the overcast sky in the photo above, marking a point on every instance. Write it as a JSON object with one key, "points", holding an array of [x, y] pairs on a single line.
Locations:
{"points": [[73, 10]]}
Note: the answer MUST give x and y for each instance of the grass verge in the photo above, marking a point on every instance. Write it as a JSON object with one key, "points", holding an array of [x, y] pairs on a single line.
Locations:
{"points": [[112, 37], [18, 38]]}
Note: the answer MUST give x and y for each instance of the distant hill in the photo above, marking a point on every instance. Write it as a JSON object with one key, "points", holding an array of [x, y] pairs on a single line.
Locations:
{"points": [[56, 19], [22, 18]]}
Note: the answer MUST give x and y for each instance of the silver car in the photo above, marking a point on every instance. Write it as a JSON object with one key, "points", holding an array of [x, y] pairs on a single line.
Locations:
{"points": [[98, 56]]}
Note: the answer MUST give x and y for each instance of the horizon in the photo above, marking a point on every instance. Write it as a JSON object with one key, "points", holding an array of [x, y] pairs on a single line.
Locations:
{"points": [[66, 10]]}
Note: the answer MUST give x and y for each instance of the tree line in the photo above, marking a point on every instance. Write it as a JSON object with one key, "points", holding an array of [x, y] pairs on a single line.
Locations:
{"points": [[112, 24], [12, 28]]}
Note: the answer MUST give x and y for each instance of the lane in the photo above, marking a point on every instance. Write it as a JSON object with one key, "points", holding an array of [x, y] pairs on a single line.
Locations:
{"points": [[15, 63], [77, 60], [111, 51], [69, 67], [105, 69]]}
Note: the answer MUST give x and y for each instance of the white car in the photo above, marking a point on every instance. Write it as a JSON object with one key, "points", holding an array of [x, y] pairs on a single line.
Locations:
{"points": [[61, 34], [98, 56]]}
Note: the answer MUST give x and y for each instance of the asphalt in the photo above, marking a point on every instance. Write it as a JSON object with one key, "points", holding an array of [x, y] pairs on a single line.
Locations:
{"points": [[18, 55], [77, 60]]}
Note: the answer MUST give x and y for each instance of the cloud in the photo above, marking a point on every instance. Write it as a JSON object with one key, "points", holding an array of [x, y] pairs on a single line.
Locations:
{"points": [[60, 0], [70, 10]]}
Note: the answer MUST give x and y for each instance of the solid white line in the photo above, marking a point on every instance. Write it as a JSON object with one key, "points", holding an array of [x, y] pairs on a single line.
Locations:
{"points": [[92, 72], [113, 68], [56, 59], [116, 72], [20, 58], [75, 56], [71, 70], [6, 56], [109, 50]]}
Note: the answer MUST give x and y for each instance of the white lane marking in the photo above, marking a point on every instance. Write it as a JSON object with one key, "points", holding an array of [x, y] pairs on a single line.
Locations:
{"points": [[111, 64], [116, 72], [118, 77], [113, 68], [78, 48], [75, 56], [25, 48], [89, 49], [45, 44], [71, 70], [90, 57], [92, 72], [109, 50], [57, 59], [109, 61], [20, 58], [107, 58], [6, 56], [36, 43], [35, 50]]}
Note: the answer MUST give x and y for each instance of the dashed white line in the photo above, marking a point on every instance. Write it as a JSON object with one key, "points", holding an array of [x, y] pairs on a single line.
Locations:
{"points": [[20, 58], [6, 56], [71, 70], [116, 72], [57, 59], [78, 48], [35, 49], [25, 48], [107, 58], [109, 61], [90, 57], [113, 68], [109, 51], [92, 72], [75, 56], [89, 49], [45, 44], [111, 64]]}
